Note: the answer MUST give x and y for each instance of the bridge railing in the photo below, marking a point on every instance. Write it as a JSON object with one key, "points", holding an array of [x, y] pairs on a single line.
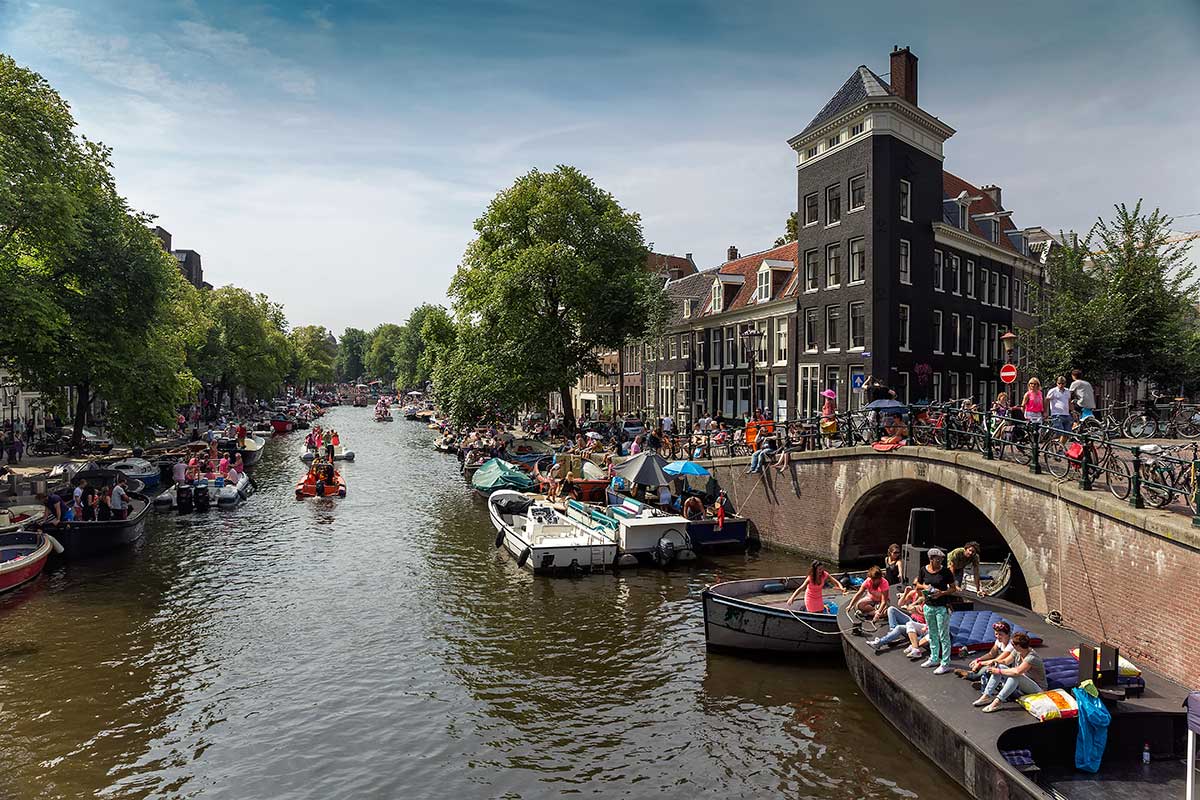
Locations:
{"points": [[1155, 475]]}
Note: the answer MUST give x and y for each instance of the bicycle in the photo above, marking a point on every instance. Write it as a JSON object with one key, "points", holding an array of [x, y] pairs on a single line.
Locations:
{"points": [[1155, 417], [1064, 458]]}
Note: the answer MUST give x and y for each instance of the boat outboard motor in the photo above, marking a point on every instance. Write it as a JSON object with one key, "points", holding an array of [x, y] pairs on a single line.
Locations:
{"points": [[664, 552], [183, 499], [320, 488], [200, 496]]}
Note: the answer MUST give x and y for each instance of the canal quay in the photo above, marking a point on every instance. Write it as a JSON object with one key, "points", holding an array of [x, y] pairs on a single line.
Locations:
{"points": [[380, 646]]}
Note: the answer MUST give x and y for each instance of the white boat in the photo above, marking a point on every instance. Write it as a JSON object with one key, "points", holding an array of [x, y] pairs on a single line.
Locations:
{"points": [[540, 539], [14, 518], [138, 468], [185, 499], [339, 454], [642, 533]]}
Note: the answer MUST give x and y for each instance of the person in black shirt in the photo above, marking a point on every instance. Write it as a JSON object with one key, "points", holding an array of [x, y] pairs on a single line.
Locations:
{"points": [[938, 584]]}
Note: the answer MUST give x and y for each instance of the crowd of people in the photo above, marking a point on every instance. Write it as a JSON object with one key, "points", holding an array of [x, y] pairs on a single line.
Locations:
{"points": [[88, 503]]}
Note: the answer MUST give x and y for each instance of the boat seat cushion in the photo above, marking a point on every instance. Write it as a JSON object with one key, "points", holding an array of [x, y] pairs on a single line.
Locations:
{"points": [[972, 630], [1062, 672]]}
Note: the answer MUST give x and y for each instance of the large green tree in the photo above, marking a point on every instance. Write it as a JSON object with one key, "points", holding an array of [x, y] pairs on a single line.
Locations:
{"points": [[380, 359], [351, 352], [411, 369], [247, 346], [313, 355], [557, 270]]}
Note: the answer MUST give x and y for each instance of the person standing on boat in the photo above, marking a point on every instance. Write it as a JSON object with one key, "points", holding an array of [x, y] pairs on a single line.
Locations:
{"points": [[958, 560], [120, 500], [937, 582], [104, 505], [328, 439], [88, 503], [813, 587], [1026, 676], [693, 508], [55, 511], [893, 566]]}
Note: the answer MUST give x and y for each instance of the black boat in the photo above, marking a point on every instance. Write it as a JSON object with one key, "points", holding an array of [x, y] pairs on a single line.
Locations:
{"points": [[80, 539]]}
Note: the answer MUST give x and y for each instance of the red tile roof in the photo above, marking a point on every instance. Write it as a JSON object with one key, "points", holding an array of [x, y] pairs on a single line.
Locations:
{"points": [[677, 266], [747, 267], [954, 186]]}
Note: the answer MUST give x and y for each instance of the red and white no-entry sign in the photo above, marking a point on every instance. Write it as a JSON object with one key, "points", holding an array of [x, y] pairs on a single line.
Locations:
{"points": [[1008, 373]]}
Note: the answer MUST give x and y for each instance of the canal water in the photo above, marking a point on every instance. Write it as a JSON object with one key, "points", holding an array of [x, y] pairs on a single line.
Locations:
{"points": [[380, 646]]}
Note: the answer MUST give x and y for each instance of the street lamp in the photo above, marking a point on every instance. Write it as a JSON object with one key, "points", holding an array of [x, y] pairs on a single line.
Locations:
{"points": [[1009, 341], [750, 336]]}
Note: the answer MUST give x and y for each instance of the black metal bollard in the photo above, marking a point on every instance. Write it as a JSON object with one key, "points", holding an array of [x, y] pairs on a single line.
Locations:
{"points": [[1085, 466], [1035, 460], [1135, 482], [987, 436]]}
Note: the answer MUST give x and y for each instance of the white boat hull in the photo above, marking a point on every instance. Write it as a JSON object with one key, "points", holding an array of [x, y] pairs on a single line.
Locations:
{"points": [[553, 549]]}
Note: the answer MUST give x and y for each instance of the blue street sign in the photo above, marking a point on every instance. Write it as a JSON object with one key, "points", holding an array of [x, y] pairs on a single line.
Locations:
{"points": [[857, 380]]}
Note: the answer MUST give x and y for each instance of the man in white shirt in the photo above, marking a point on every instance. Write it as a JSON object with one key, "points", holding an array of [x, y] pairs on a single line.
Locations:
{"points": [[120, 500], [1059, 400], [668, 425]]}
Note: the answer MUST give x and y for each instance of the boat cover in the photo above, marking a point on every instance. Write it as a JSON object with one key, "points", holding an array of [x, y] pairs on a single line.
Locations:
{"points": [[512, 505], [972, 630], [1193, 712], [497, 474]]}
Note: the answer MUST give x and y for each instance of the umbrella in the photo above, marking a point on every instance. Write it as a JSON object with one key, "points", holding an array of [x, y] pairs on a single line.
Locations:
{"points": [[646, 469], [885, 404], [685, 468]]}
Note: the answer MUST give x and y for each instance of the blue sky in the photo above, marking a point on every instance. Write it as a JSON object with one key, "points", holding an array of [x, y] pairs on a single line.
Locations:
{"points": [[334, 155]]}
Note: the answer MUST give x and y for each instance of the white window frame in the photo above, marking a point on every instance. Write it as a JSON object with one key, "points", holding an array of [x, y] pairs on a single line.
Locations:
{"points": [[862, 262], [938, 335], [938, 273], [815, 284], [955, 271], [970, 278], [815, 345], [857, 128], [956, 331], [716, 351], [817, 208], [731, 347], [1004, 300], [716, 297], [829, 248], [851, 208], [829, 220], [904, 328], [954, 386], [673, 347], [833, 141], [856, 348], [935, 383], [971, 339], [762, 292], [984, 286], [996, 288], [830, 345], [905, 200], [984, 344], [781, 340], [904, 263]]}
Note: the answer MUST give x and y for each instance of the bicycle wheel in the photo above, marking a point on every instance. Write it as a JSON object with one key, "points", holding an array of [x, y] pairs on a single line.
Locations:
{"points": [[1056, 459], [1116, 476], [1155, 486], [1022, 449], [1187, 423], [1139, 426]]}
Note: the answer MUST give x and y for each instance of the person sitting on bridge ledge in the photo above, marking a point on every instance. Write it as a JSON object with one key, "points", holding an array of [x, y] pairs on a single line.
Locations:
{"points": [[872, 597]]}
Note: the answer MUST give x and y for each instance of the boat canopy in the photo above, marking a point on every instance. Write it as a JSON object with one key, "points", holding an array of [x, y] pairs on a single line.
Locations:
{"points": [[498, 474]]}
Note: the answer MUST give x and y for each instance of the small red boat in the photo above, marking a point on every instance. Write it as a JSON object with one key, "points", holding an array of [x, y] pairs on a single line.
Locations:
{"points": [[281, 423], [321, 481], [23, 555]]}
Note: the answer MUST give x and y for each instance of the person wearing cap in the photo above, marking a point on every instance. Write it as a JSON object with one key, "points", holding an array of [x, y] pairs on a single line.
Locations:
{"points": [[1000, 655], [937, 582], [960, 557]]}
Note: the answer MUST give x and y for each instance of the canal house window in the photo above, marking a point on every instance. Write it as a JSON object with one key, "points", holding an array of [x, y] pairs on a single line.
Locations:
{"points": [[810, 387], [983, 287], [781, 340], [811, 203], [716, 297], [833, 324], [743, 393], [833, 376], [937, 270], [781, 403], [970, 278], [856, 129], [969, 336], [811, 258], [984, 345], [858, 326], [833, 141], [954, 386], [954, 334], [905, 201], [731, 356], [937, 332], [764, 285], [902, 329], [811, 152], [730, 399], [810, 330], [700, 392], [905, 265], [833, 266], [858, 258], [937, 387], [714, 350], [1004, 291], [902, 388], [833, 204], [995, 288], [955, 277], [674, 348], [858, 192]]}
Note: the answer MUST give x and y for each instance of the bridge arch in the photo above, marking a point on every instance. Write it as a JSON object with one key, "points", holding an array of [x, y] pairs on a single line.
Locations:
{"points": [[874, 512]]}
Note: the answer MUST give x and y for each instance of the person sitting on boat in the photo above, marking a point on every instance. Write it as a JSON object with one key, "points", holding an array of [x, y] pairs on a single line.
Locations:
{"points": [[223, 466], [871, 599], [335, 438], [1000, 654], [893, 566], [693, 508], [958, 559], [238, 464], [813, 587], [1027, 675], [665, 498], [906, 620], [233, 476]]}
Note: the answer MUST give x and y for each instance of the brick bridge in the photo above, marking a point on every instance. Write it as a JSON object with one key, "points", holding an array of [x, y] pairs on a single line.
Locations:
{"points": [[1129, 576]]}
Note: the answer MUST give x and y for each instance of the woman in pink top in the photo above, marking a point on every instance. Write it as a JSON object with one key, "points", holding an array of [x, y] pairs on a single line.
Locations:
{"points": [[1033, 402], [813, 586], [872, 596]]}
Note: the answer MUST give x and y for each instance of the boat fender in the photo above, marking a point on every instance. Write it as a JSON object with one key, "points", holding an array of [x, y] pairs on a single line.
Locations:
{"points": [[627, 560], [575, 570], [525, 554], [58, 548], [499, 538], [341, 492], [773, 588]]}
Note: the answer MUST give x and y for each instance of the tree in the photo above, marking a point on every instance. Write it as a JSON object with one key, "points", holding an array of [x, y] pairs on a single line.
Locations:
{"points": [[350, 354], [407, 359], [381, 351], [556, 271], [439, 334], [313, 355], [790, 231], [247, 346]]}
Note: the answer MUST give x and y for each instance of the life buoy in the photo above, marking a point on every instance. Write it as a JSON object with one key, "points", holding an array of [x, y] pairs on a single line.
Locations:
{"points": [[525, 554]]}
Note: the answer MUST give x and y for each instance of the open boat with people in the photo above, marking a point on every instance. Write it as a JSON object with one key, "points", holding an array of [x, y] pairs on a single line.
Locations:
{"points": [[139, 469], [282, 423], [82, 538], [23, 556], [251, 448], [340, 453], [540, 539], [321, 480], [754, 615], [204, 493]]}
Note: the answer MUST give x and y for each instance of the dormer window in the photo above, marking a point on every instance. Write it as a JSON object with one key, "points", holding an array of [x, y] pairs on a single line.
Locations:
{"points": [[833, 141], [688, 307], [717, 294], [763, 292], [962, 216]]}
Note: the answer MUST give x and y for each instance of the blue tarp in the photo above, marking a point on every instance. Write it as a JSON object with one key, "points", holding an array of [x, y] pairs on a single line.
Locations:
{"points": [[1193, 707], [1093, 731]]}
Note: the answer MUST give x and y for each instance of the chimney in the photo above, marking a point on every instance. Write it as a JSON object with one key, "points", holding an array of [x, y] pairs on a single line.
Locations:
{"points": [[688, 256], [993, 192], [904, 74], [731, 254]]}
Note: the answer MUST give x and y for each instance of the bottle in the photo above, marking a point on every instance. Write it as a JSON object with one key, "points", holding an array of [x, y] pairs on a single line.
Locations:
{"points": [[1146, 753]]}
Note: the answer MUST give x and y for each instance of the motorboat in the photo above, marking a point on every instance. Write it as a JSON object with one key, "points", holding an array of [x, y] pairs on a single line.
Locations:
{"points": [[589, 481], [282, 423], [251, 448], [528, 451], [322, 481], [81, 538], [339, 454], [203, 494], [96, 476], [495, 474], [472, 459], [23, 556], [14, 518], [643, 534], [139, 469], [540, 539], [754, 615], [706, 533], [411, 412], [383, 416]]}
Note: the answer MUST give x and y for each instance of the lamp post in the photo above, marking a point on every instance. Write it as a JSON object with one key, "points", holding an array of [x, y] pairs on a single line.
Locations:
{"points": [[1009, 342], [750, 336]]}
